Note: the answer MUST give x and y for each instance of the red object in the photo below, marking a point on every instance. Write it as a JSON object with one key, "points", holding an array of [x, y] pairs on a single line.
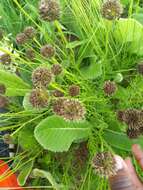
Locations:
{"points": [[11, 180]]}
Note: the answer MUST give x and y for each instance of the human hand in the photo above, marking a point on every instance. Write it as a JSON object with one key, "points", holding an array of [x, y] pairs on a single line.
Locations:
{"points": [[126, 178]]}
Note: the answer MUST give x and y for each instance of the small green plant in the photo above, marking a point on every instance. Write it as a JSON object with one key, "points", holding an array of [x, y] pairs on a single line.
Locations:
{"points": [[71, 82]]}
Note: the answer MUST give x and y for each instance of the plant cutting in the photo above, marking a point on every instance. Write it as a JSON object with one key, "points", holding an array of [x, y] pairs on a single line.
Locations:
{"points": [[71, 83]]}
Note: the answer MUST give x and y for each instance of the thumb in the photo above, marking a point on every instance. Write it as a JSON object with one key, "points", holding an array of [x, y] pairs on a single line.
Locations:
{"points": [[122, 180]]}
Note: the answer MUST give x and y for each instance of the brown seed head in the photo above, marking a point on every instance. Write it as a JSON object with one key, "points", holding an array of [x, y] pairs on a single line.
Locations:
{"points": [[56, 69], [47, 51], [2, 89], [29, 32], [104, 164], [39, 98], [112, 9], [41, 77], [5, 59], [21, 39], [74, 90], [110, 88], [49, 10], [3, 102]]}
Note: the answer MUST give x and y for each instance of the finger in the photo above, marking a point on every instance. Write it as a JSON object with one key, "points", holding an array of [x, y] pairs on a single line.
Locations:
{"points": [[123, 180], [138, 153], [133, 174]]}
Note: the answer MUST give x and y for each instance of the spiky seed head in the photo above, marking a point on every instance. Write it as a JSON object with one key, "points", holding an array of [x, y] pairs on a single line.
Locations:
{"points": [[41, 77], [112, 9], [140, 68], [109, 88], [30, 54], [2, 89], [39, 98], [132, 132], [1, 34], [56, 69], [120, 115], [74, 90], [49, 10], [57, 93], [29, 32], [69, 109], [47, 51], [5, 59], [7, 139], [104, 164], [21, 39], [3, 101], [132, 117]]}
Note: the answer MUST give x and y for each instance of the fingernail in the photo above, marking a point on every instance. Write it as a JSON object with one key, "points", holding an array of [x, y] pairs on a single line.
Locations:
{"points": [[119, 163]]}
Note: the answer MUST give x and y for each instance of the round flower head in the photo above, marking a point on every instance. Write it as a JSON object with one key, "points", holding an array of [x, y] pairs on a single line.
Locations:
{"points": [[104, 164], [140, 68], [2, 89], [5, 59], [29, 32], [30, 54], [132, 133], [57, 93], [49, 10], [21, 39], [112, 9], [56, 69], [132, 117], [47, 51], [110, 88], [3, 102], [120, 115], [41, 77], [39, 98], [74, 90], [7, 139], [69, 109]]}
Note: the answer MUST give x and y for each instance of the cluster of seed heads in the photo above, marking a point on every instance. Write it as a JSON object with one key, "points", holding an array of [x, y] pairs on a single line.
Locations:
{"points": [[133, 118], [30, 54], [49, 10], [39, 98], [112, 9], [56, 69], [104, 164], [5, 59], [47, 51], [57, 93], [74, 90], [41, 77], [69, 109], [27, 34], [3, 101], [109, 88]]}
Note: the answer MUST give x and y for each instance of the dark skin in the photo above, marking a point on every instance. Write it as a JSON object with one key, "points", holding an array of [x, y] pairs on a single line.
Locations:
{"points": [[127, 178]]}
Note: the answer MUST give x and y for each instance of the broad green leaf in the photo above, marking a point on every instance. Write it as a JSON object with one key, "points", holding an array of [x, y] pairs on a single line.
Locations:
{"points": [[120, 140], [44, 174], [16, 92], [138, 17], [25, 172], [14, 84], [130, 31], [27, 140], [92, 71], [12, 80], [57, 135]]}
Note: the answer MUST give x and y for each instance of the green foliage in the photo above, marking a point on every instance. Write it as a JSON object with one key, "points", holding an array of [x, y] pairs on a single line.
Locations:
{"points": [[25, 172], [15, 85], [121, 141], [57, 135], [27, 141]]}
